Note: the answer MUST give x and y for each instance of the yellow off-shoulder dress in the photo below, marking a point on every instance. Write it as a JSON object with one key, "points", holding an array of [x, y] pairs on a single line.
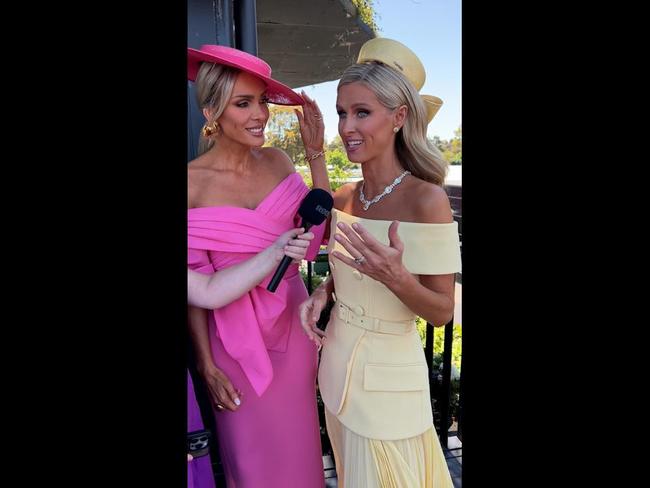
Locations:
{"points": [[373, 375]]}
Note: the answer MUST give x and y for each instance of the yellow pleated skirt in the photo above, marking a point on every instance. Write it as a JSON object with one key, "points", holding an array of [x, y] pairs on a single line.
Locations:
{"points": [[416, 462]]}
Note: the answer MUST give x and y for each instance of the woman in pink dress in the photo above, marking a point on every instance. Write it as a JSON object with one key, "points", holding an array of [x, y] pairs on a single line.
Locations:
{"points": [[260, 369], [217, 290]]}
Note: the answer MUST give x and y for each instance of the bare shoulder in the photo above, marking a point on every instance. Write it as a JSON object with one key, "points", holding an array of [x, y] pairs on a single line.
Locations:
{"points": [[197, 174], [343, 195], [194, 172], [429, 203], [278, 160], [197, 169]]}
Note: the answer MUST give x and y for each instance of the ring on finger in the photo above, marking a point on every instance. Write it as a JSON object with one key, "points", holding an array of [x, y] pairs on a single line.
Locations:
{"points": [[359, 261]]}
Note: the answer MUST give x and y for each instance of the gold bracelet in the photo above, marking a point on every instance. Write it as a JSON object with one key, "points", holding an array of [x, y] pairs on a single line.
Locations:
{"points": [[314, 156]]}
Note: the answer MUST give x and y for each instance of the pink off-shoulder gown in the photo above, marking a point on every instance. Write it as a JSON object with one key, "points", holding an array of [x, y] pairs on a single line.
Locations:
{"points": [[273, 439]]}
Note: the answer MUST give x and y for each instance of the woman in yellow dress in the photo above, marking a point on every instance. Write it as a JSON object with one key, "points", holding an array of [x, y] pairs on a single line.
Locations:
{"points": [[393, 256]]}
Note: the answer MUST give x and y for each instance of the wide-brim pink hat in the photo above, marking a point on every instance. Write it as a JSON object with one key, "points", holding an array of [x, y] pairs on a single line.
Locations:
{"points": [[276, 92]]}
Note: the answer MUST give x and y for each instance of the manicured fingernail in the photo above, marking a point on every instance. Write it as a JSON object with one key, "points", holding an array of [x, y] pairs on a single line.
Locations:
{"points": [[355, 226], [237, 401], [341, 225]]}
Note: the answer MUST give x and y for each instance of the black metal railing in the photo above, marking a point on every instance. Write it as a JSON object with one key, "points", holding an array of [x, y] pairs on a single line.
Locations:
{"points": [[444, 405]]}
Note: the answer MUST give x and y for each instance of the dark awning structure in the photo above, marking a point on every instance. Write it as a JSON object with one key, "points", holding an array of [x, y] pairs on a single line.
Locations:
{"points": [[309, 42]]}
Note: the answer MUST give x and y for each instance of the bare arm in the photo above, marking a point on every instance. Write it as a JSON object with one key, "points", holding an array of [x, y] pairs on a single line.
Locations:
{"points": [[198, 322], [221, 390], [432, 297], [227, 285], [311, 309], [312, 132]]}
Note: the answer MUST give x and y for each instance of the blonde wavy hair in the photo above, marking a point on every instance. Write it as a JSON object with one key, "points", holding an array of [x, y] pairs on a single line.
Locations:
{"points": [[214, 84], [416, 153]]}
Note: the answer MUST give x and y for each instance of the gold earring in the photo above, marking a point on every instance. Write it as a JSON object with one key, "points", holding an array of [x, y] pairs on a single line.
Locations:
{"points": [[395, 130], [208, 130]]}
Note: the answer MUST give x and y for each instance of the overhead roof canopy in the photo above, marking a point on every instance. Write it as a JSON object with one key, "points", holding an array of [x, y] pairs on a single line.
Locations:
{"points": [[309, 42]]}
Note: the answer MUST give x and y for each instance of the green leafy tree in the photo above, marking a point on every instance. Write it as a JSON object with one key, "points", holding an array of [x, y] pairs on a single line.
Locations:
{"points": [[338, 156], [439, 340], [283, 132], [338, 168], [455, 151], [452, 150], [367, 13]]}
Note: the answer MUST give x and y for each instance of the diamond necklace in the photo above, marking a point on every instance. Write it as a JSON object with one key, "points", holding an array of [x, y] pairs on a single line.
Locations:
{"points": [[386, 191]]}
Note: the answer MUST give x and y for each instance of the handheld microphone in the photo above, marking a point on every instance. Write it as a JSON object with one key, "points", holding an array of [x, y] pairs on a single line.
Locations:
{"points": [[314, 209]]}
